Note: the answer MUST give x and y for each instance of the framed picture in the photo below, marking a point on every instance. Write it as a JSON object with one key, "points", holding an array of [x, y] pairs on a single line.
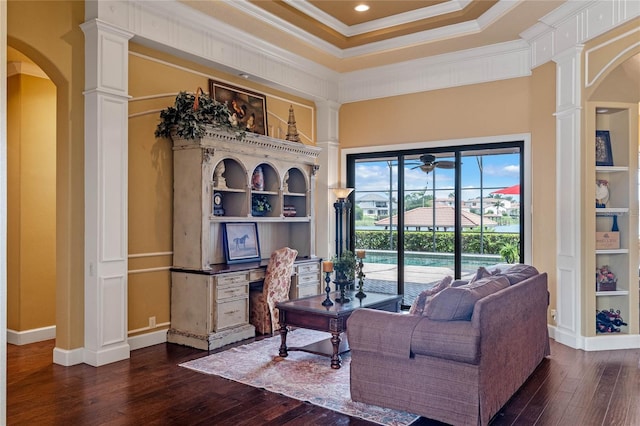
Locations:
{"points": [[604, 157], [248, 108], [241, 242]]}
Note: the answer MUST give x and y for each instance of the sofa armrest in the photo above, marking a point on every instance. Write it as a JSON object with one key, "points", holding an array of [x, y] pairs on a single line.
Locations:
{"points": [[382, 332]]}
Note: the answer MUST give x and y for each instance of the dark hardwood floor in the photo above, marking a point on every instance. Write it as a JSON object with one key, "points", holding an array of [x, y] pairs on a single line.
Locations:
{"points": [[571, 387]]}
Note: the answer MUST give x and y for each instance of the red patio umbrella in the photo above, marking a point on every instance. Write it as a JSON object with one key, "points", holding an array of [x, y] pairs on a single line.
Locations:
{"points": [[511, 190]]}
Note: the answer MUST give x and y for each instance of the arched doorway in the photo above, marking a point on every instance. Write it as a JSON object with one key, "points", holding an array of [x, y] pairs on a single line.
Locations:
{"points": [[31, 201]]}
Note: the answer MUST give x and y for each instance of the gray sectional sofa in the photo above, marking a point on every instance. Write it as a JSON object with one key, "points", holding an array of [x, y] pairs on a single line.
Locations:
{"points": [[460, 360]]}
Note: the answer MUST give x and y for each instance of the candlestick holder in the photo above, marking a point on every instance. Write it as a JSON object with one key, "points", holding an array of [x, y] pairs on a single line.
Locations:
{"points": [[327, 289], [360, 294], [342, 285]]}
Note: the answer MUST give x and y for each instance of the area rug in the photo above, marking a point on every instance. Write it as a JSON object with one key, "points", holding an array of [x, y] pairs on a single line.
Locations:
{"points": [[301, 375]]}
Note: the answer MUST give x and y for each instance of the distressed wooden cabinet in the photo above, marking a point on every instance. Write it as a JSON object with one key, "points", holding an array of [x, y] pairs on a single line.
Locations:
{"points": [[306, 280], [209, 299]]}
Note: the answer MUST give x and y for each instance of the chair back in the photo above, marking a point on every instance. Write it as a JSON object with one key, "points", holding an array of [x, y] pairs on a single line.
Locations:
{"points": [[277, 281]]}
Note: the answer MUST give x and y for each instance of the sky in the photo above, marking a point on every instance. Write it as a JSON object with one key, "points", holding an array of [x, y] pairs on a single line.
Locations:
{"points": [[500, 171]]}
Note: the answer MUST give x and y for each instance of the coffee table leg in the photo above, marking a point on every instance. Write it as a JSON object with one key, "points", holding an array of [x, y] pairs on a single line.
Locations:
{"points": [[283, 342], [336, 361]]}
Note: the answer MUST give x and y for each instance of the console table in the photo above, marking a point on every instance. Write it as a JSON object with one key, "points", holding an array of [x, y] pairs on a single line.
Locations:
{"points": [[310, 313]]}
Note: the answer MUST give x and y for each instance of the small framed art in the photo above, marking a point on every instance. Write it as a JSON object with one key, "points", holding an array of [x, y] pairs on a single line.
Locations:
{"points": [[248, 109], [604, 156], [241, 242]]}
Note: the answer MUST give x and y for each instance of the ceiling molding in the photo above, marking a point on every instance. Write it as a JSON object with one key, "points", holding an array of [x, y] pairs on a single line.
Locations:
{"points": [[421, 37], [377, 24]]}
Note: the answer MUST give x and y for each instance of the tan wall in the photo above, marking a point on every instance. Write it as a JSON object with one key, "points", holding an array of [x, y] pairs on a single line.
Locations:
{"points": [[152, 75], [543, 184], [49, 33], [462, 112], [31, 215]]}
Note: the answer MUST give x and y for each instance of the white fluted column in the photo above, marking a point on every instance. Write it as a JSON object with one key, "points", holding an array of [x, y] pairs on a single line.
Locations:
{"points": [[568, 197], [106, 175], [328, 176]]}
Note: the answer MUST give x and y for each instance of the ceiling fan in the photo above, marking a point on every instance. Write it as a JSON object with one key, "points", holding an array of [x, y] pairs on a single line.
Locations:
{"points": [[429, 163]]}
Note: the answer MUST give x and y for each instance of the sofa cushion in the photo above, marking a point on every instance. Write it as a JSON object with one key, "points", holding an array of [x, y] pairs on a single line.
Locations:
{"points": [[420, 302], [519, 272], [456, 303], [455, 340]]}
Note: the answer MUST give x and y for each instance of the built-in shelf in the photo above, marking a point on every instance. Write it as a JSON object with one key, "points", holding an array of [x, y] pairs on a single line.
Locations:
{"points": [[621, 212], [612, 293], [611, 211]]}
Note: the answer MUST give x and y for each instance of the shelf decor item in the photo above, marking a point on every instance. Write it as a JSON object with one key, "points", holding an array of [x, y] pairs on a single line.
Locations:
{"points": [[605, 279], [240, 242], [607, 240], [604, 156], [218, 210], [260, 205], [257, 179], [248, 109], [602, 193], [609, 321]]}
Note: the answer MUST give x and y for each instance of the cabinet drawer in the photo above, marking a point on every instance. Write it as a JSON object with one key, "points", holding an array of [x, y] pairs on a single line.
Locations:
{"points": [[307, 290], [232, 291], [232, 313], [308, 279], [308, 268], [227, 279], [256, 275]]}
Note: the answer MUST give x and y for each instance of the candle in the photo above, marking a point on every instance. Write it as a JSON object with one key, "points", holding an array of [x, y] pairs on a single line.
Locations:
{"points": [[360, 254], [327, 266]]}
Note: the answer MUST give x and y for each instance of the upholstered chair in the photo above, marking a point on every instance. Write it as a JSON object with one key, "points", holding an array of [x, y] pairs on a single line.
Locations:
{"points": [[277, 280]]}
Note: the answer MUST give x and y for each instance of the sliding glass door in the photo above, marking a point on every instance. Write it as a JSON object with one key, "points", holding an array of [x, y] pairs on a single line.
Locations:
{"points": [[421, 215]]}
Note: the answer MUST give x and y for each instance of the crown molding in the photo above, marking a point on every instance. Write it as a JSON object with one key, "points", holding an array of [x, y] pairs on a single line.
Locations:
{"points": [[427, 36], [491, 63]]}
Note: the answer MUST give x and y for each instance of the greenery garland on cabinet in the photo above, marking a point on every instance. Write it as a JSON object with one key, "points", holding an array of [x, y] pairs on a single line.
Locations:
{"points": [[191, 115]]}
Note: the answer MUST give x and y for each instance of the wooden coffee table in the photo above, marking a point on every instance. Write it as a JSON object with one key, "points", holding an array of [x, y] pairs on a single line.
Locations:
{"points": [[308, 312]]}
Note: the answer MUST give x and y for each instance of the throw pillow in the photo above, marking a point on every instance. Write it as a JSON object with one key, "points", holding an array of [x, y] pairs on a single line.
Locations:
{"points": [[458, 283], [420, 302], [482, 273], [519, 272], [457, 303]]}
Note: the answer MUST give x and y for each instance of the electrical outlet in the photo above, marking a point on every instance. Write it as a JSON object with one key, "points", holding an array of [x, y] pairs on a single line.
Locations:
{"points": [[554, 313], [152, 322]]}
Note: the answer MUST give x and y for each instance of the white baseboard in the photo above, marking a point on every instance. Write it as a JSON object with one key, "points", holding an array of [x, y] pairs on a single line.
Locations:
{"points": [[66, 357], [31, 336], [612, 341], [107, 355], [148, 339]]}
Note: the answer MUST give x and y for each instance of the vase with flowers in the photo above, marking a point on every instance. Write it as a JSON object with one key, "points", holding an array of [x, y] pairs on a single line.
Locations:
{"points": [[260, 205]]}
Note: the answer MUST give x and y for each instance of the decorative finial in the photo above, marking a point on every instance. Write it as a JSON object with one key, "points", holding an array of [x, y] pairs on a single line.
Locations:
{"points": [[292, 131]]}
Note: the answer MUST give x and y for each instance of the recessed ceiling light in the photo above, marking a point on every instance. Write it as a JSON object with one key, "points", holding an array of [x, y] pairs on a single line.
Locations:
{"points": [[361, 8], [601, 110], [243, 75]]}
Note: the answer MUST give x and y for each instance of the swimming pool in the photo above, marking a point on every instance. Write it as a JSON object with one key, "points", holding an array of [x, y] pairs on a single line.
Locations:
{"points": [[470, 262]]}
